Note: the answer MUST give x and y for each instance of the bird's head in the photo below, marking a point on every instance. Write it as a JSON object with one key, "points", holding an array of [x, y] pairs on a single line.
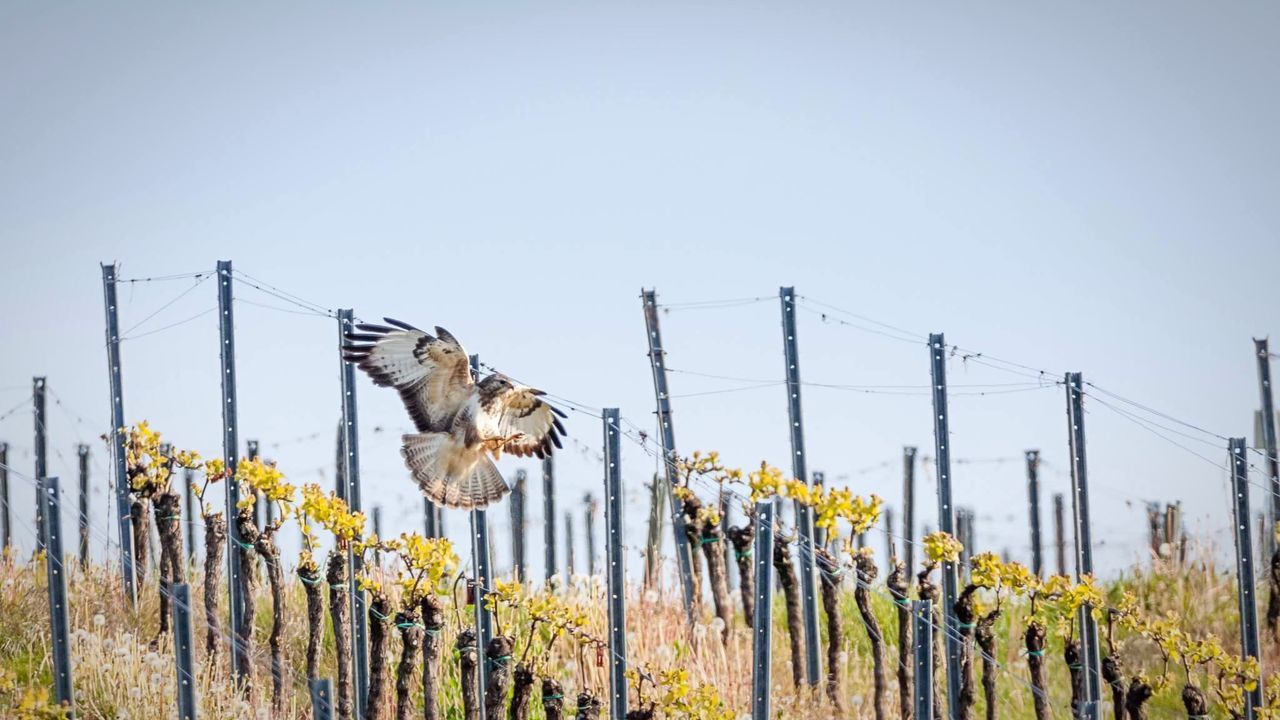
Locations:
{"points": [[496, 383]]}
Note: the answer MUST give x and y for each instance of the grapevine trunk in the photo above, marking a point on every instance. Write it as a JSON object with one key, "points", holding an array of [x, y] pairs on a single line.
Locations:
{"points": [[899, 585], [791, 591], [340, 615]]}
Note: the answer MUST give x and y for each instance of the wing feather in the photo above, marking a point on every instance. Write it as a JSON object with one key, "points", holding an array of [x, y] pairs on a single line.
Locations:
{"points": [[518, 414], [430, 372]]}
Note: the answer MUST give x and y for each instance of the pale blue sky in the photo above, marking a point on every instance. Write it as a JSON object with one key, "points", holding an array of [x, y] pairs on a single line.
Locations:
{"points": [[1075, 187]]}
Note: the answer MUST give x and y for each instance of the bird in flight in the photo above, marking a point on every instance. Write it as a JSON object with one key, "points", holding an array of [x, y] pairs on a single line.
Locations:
{"points": [[463, 426]]}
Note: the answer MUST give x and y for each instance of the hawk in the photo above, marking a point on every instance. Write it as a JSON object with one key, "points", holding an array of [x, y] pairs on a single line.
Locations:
{"points": [[460, 423]]}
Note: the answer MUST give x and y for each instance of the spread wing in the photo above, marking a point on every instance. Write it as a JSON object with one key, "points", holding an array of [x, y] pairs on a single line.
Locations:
{"points": [[431, 372], [518, 414]]}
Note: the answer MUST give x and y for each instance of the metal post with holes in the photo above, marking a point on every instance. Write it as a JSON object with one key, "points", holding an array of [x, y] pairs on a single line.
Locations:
{"points": [[188, 478], [568, 546], [803, 513], [1033, 511], [1238, 456], [41, 451], [429, 518], [251, 452], [946, 515], [321, 699], [518, 526], [230, 455], [909, 506], [124, 519], [1059, 534], [616, 571], [762, 620], [482, 578], [481, 563], [549, 515], [819, 534], [657, 362], [1089, 650], [6, 519], [1272, 465], [82, 455], [590, 512], [890, 550], [922, 639], [182, 651], [56, 572], [351, 493]]}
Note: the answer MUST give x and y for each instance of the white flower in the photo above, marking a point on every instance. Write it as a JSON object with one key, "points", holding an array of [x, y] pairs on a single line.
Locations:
{"points": [[99, 620], [126, 638], [843, 657], [651, 596], [262, 714], [108, 644], [699, 631], [156, 680], [135, 693], [717, 624]]}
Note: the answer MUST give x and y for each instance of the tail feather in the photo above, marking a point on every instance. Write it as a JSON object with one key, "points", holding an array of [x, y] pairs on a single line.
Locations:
{"points": [[450, 474]]}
